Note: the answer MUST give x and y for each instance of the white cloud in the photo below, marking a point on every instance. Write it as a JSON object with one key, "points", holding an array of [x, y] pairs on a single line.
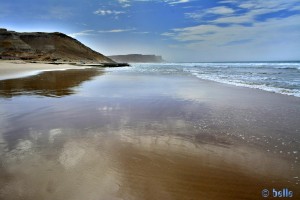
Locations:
{"points": [[247, 5], [266, 4], [296, 8], [82, 33], [108, 12], [172, 2], [124, 3], [168, 34], [259, 31], [243, 12], [245, 37], [195, 15], [116, 30], [272, 39], [221, 10], [248, 18], [228, 1], [141, 32]]}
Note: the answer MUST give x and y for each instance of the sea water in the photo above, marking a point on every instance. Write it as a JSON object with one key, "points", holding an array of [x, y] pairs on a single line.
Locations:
{"points": [[278, 77]]}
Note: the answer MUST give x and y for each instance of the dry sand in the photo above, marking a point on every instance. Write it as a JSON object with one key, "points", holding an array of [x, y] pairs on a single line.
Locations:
{"points": [[17, 69]]}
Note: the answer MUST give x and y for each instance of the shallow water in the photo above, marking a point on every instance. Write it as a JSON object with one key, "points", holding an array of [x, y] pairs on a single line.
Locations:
{"points": [[123, 134]]}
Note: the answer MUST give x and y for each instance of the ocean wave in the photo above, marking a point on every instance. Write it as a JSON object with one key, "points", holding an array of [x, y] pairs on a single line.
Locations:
{"points": [[289, 67], [273, 77], [255, 85], [245, 65]]}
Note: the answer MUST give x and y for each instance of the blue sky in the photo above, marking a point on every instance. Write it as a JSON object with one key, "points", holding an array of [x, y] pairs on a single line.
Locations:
{"points": [[179, 30]]}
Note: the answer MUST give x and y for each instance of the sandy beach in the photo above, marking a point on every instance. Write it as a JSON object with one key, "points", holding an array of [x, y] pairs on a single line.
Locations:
{"points": [[149, 100], [121, 134], [10, 69]]}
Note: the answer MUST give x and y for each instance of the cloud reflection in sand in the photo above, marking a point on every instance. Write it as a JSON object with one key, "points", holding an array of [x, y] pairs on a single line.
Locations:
{"points": [[66, 163], [133, 139]]}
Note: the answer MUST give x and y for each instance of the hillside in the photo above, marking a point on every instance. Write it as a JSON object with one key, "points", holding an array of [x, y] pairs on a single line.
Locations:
{"points": [[132, 58], [39, 46]]}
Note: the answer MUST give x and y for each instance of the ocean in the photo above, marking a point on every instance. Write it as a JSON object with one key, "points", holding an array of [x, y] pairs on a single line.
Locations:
{"points": [[278, 77]]}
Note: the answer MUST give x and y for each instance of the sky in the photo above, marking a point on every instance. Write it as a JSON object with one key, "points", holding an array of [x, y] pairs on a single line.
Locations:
{"points": [[178, 30]]}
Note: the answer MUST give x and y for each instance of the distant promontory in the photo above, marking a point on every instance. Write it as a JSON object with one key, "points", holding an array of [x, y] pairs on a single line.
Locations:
{"points": [[136, 58], [51, 47]]}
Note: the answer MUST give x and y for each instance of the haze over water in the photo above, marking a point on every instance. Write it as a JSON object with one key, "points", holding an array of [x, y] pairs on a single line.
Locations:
{"points": [[153, 131]]}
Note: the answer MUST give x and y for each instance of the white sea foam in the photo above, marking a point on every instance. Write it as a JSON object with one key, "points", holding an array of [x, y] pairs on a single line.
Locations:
{"points": [[285, 91]]}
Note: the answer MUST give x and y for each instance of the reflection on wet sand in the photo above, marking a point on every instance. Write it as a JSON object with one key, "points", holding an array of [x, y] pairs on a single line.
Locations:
{"points": [[123, 136], [50, 84], [65, 164]]}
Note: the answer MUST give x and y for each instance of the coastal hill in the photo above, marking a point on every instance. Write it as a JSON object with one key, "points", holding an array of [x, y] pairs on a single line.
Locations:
{"points": [[39, 46], [136, 58]]}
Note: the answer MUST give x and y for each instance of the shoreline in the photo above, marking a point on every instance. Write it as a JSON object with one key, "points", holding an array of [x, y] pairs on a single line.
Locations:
{"points": [[12, 69]]}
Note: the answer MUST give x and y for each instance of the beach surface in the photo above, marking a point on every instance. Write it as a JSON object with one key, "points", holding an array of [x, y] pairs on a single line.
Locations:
{"points": [[10, 69], [128, 134]]}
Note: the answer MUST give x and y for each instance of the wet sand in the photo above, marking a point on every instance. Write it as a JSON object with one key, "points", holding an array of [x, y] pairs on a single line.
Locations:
{"points": [[128, 135]]}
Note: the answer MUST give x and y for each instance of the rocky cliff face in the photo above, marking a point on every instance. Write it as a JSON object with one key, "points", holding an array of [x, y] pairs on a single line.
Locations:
{"points": [[40, 46], [136, 58]]}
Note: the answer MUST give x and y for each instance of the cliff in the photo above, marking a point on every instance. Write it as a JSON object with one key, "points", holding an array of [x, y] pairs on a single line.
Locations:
{"points": [[136, 58], [39, 46]]}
